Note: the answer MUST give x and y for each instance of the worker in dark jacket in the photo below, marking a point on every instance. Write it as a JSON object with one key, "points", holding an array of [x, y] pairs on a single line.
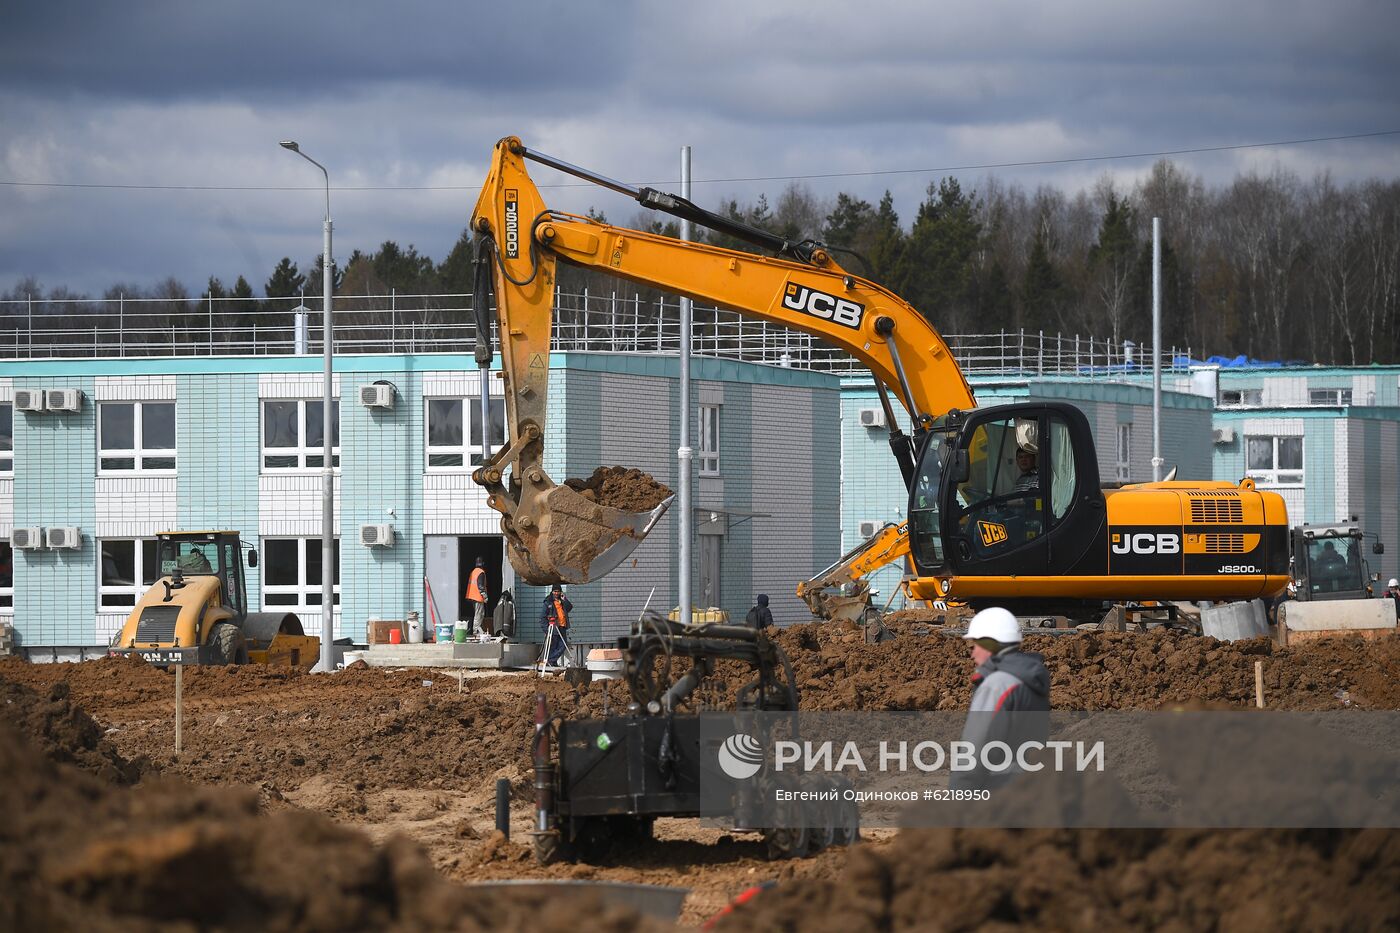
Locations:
{"points": [[1008, 684], [759, 616], [554, 620]]}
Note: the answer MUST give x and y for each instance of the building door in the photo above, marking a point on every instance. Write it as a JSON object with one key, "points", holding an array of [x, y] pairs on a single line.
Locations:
{"points": [[709, 592], [440, 560], [499, 574]]}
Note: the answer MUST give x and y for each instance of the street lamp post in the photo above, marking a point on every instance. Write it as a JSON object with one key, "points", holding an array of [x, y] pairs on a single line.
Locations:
{"points": [[327, 471]]}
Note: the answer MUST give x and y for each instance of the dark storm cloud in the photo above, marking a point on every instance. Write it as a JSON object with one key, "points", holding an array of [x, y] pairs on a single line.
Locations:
{"points": [[413, 94], [172, 49]]}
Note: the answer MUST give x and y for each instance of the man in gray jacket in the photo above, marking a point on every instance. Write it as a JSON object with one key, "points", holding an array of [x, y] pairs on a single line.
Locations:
{"points": [[1009, 684]]}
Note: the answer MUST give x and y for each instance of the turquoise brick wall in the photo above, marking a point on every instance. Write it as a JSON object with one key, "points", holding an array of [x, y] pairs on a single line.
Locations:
{"points": [[216, 433], [55, 471], [382, 453]]}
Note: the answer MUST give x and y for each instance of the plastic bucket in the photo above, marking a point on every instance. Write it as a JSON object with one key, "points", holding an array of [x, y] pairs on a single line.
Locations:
{"points": [[459, 633], [443, 632], [395, 636]]}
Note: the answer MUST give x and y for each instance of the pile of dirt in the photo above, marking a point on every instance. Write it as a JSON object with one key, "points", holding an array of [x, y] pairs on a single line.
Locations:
{"points": [[65, 733], [79, 850], [1094, 670], [621, 488], [1098, 879]]}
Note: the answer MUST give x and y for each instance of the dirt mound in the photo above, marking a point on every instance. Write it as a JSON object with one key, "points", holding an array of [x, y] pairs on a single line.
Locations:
{"points": [[130, 681], [1095, 670], [621, 488], [80, 852], [1098, 879], [65, 733]]}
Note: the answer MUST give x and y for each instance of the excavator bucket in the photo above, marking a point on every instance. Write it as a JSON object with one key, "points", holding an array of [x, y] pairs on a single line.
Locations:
{"points": [[573, 539]]}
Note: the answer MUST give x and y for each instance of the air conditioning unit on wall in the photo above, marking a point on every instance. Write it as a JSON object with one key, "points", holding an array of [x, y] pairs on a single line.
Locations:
{"points": [[377, 535], [872, 418], [68, 537], [27, 539], [63, 399], [29, 399], [867, 529], [1223, 435], [377, 395]]}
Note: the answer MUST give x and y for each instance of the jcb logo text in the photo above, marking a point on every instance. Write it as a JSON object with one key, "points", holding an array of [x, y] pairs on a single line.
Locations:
{"points": [[820, 304], [1146, 543], [992, 533]]}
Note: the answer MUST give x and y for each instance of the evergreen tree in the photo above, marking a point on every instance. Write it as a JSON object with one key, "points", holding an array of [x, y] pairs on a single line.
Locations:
{"points": [[1111, 262], [1042, 290], [851, 225], [456, 274], [935, 274], [317, 276], [887, 242], [286, 282]]}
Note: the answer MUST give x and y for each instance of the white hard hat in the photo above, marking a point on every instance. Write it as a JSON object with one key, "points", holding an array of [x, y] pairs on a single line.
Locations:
{"points": [[1393, 582], [995, 623]]}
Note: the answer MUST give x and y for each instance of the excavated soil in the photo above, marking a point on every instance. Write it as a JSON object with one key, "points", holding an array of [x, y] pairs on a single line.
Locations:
{"points": [[81, 850], [621, 488], [1095, 670], [1179, 880], [417, 754]]}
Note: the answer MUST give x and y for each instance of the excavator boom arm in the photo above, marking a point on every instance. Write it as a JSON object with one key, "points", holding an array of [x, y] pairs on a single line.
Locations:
{"points": [[899, 346], [522, 239]]}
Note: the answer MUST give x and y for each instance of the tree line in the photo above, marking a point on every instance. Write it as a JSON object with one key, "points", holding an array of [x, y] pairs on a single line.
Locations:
{"points": [[1269, 265]]}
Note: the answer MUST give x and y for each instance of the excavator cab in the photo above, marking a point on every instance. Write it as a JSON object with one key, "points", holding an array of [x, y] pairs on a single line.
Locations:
{"points": [[1011, 490]]}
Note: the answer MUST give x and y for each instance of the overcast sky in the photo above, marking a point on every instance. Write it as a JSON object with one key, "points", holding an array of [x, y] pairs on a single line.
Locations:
{"points": [[412, 94]]}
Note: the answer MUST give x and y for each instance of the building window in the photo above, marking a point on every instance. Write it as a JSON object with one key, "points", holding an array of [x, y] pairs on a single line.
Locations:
{"points": [[136, 436], [709, 440], [1277, 461], [129, 568], [1329, 396], [291, 577], [1125, 451], [1243, 397], [7, 439], [7, 578], [293, 437], [446, 449]]}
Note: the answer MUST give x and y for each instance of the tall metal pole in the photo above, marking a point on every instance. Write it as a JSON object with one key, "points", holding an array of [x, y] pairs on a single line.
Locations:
{"points": [[1156, 349], [328, 562], [685, 454]]}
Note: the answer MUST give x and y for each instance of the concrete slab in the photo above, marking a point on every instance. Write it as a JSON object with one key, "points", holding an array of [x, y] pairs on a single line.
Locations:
{"points": [[1235, 621], [469, 655], [504, 654]]}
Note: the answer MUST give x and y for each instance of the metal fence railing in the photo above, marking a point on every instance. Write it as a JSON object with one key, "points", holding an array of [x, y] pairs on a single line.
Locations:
{"points": [[32, 328]]}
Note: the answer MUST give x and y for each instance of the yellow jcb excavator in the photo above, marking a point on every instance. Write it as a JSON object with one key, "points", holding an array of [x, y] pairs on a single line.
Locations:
{"points": [[197, 612], [1005, 502]]}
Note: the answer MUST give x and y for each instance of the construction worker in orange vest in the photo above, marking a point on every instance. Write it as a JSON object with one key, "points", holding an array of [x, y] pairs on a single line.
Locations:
{"points": [[554, 619], [477, 595]]}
